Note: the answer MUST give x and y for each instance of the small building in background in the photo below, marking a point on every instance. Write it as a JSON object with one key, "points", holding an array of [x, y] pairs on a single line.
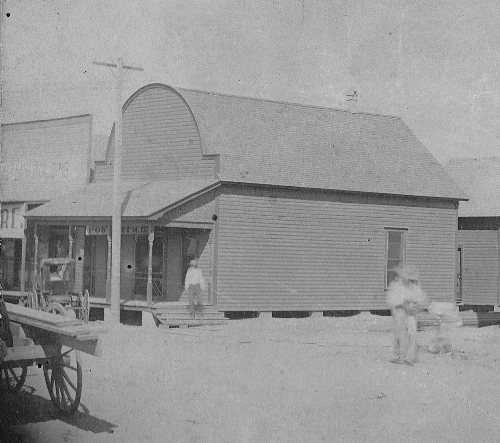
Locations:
{"points": [[40, 161], [288, 207], [478, 237]]}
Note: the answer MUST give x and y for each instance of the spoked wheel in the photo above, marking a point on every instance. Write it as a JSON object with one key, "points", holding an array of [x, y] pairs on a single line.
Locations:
{"points": [[63, 377], [12, 379]]}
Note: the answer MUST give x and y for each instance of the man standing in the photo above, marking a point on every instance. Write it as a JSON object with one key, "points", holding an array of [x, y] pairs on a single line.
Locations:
{"points": [[194, 285], [406, 298]]}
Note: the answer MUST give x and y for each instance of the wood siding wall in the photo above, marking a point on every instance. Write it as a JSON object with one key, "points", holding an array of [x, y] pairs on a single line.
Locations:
{"points": [[160, 140], [287, 253], [479, 266]]}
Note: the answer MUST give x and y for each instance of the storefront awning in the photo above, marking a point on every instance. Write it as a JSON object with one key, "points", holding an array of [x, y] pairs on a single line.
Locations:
{"points": [[140, 199]]}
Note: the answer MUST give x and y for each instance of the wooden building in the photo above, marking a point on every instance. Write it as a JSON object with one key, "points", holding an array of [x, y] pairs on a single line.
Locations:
{"points": [[478, 237], [39, 161], [289, 207]]}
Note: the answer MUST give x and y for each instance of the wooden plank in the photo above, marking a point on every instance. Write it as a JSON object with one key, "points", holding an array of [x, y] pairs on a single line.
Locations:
{"points": [[194, 322], [40, 316], [480, 319], [25, 353], [63, 330], [89, 344]]}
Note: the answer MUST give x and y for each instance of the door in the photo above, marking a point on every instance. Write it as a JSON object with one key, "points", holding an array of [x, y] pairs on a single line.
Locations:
{"points": [[458, 281]]}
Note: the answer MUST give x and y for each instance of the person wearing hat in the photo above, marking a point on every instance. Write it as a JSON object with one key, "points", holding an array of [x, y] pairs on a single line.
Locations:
{"points": [[194, 284], [406, 298]]}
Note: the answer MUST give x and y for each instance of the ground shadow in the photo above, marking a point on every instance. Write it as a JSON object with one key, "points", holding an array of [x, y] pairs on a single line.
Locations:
{"points": [[25, 407], [343, 313]]}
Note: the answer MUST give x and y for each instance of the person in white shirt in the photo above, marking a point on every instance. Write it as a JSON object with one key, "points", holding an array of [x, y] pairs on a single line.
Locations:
{"points": [[194, 284], [406, 298]]}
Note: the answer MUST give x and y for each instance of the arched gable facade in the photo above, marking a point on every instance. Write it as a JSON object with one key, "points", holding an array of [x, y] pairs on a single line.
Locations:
{"points": [[161, 140]]}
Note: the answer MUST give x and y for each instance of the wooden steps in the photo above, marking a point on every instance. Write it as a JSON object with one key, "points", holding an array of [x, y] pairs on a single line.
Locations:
{"points": [[176, 314]]}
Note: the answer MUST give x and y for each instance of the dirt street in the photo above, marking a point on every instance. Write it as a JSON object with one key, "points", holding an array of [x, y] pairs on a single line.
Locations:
{"points": [[273, 380]]}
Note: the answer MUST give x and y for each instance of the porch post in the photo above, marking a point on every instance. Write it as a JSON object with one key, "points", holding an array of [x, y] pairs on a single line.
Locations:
{"points": [[70, 242], [23, 262], [149, 286], [210, 268], [164, 268], [35, 258], [108, 271], [23, 251]]}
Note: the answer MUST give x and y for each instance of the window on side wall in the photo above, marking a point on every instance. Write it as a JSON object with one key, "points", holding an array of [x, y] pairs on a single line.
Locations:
{"points": [[394, 252]]}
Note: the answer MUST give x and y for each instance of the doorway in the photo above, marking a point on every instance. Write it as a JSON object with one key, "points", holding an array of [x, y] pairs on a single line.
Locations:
{"points": [[458, 282]]}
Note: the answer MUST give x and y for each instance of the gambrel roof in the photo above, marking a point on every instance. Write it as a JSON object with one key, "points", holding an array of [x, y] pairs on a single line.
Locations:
{"points": [[173, 137]]}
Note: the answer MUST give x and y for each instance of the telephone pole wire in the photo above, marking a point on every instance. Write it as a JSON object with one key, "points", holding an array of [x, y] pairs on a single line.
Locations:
{"points": [[116, 222]]}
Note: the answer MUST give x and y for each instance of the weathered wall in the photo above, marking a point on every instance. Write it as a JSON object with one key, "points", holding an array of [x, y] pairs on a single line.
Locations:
{"points": [[310, 251], [479, 266], [42, 160]]}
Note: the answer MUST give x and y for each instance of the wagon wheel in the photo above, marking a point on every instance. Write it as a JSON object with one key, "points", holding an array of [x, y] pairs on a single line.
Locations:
{"points": [[56, 308], [63, 377], [12, 379]]}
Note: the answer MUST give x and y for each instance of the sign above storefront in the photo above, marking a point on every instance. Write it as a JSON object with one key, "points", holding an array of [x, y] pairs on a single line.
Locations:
{"points": [[12, 220], [106, 229]]}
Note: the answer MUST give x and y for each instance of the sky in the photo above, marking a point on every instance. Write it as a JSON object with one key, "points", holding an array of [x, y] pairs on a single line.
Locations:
{"points": [[433, 63]]}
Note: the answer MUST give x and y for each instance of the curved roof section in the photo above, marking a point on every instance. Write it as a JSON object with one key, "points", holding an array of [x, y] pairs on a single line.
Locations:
{"points": [[285, 144]]}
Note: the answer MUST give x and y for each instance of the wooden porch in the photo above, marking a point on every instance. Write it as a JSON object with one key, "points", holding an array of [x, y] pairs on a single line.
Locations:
{"points": [[168, 314]]}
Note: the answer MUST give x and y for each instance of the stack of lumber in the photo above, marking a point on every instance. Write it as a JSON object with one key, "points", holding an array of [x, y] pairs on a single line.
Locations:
{"points": [[65, 330], [465, 318], [439, 314], [480, 319], [426, 320], [176, 314]]}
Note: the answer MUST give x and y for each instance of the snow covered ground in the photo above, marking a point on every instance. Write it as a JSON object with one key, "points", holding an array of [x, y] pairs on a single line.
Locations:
{"points": [[274, 380]]}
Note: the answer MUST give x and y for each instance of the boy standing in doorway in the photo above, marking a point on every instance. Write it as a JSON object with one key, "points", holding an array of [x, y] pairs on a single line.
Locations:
{"points": [[195, 285]]}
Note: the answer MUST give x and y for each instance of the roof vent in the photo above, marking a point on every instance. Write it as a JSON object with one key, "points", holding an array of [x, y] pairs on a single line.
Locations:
{"points": [[352, 100]]}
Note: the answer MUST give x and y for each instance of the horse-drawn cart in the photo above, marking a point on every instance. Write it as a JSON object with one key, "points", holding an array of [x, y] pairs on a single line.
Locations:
{"points": [[53, 342], [54, 289]]}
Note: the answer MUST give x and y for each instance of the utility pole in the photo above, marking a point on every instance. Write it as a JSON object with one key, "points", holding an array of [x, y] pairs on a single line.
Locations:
{"points": [[1, 72], [116, 222], [1, 105]]}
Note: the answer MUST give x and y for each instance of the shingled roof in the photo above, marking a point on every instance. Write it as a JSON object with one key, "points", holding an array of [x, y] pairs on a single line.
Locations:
{"points": [[285, 144], [140, 199]]}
